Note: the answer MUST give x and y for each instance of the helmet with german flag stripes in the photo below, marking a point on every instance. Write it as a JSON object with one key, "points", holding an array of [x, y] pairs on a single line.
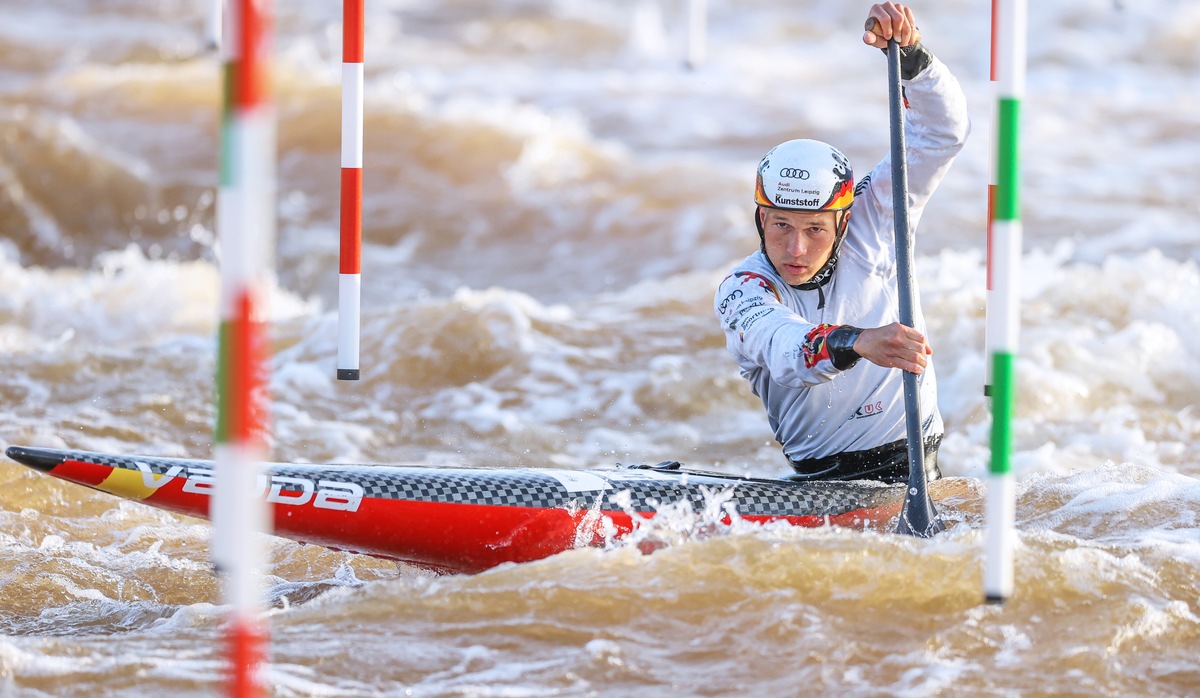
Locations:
{"points": [[805, 175]]}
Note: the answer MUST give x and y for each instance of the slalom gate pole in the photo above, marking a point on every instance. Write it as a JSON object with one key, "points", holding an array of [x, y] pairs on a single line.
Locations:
{"points": [[1009, 35], [213, 11], [990, 314], [246, 226], [350, 264], [697, 33]]}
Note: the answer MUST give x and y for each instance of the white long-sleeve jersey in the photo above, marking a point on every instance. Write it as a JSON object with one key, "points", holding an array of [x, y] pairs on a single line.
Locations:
{"points": [[777, 332]]}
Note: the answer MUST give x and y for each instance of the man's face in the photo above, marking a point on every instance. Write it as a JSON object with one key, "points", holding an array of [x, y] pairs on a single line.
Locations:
{"points": [[798, 242]]}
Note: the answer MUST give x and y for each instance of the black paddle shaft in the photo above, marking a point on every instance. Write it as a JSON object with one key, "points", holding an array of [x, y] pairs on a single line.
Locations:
{"points": [[918, 517]]}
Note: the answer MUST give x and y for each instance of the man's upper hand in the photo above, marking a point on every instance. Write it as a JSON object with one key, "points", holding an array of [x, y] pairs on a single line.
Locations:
{"points": [[894, 346], [891, 20]]}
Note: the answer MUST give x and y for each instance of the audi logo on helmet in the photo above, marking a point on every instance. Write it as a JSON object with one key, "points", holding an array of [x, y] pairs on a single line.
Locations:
{"points": [[793, 173]]}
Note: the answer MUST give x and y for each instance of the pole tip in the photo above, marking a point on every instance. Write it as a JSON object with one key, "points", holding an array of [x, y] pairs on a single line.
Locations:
{"points": [[347, 374], [995, 599]]}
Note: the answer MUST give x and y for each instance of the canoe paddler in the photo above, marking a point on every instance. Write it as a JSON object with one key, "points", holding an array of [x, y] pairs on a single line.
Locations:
{"points": [[812, 317]]}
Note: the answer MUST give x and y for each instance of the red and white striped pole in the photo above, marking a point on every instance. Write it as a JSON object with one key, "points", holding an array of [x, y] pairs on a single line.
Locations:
{"points": [[246, 226], [350, 265], [991, 316]]}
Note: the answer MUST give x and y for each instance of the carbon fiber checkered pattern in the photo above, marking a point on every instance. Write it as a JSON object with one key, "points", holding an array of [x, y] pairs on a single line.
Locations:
{"points": [[525, 487]]}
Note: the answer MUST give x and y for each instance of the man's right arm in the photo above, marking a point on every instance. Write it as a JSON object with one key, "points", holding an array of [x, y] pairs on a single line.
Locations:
{"points": [[760, 330]]}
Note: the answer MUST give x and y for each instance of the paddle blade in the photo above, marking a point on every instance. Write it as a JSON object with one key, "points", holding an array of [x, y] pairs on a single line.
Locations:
{"points": [[918, 517]]}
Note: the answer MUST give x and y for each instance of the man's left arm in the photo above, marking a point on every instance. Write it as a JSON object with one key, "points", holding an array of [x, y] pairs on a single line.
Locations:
{"points": [[936, 125], [936, 121]]}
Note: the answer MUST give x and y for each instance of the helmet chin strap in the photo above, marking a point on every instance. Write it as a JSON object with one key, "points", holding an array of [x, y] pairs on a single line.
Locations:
{"points": [[825, 274]]}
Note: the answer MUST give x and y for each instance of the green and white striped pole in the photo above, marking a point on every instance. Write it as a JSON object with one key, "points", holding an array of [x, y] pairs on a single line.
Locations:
{"points": [[246, 229], [1009, 28]]}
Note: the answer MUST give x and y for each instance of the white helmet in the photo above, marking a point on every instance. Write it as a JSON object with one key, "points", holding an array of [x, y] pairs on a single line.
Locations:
{"points": [[805, 175]]}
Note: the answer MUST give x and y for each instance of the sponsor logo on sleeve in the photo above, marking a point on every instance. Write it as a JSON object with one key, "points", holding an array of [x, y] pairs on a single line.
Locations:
{"points": [[749, 321], [733, 295]]}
